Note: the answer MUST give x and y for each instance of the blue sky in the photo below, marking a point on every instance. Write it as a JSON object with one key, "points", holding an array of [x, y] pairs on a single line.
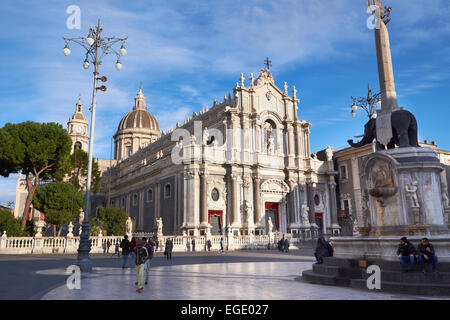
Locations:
{"points": [[188, 53]]}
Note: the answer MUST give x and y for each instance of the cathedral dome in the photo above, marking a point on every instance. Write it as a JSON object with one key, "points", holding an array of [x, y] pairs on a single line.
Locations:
{"points": [[139, 117], [136, 130]]}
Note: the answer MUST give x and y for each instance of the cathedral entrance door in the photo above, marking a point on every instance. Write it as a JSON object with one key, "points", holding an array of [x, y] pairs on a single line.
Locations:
{"points": [[319, 222], [215, 220], [272, 212]]}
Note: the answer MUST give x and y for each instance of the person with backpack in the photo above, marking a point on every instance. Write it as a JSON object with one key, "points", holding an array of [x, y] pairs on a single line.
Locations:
{"points": [[149, 246], [141, 254], [125, 246]]}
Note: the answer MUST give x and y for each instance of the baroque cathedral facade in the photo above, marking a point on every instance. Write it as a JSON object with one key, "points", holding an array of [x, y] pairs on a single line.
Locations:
{"points": [[242, 166]]}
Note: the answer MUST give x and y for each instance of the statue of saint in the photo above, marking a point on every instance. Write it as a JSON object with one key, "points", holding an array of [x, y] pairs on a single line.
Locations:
{"points": [[269, 225], [128, 226], [205, 136], [159, 225], [270, 145], [305, 215], [329, 153]]}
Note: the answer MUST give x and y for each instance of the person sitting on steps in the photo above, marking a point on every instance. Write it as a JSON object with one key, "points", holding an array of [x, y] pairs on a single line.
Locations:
{"points": [[426, 255], [406, 253]]}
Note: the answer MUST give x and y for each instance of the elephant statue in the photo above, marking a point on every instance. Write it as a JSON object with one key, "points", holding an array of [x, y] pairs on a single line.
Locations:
{"points": [[404, 132]]}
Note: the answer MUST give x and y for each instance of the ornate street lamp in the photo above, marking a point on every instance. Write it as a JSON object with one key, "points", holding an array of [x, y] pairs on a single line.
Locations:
{"points": [[369, 103], [96, 48]]}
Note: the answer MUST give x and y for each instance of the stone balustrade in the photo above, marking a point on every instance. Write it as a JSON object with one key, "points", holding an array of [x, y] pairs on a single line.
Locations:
{"points": [[69, 245], [46, 245]]}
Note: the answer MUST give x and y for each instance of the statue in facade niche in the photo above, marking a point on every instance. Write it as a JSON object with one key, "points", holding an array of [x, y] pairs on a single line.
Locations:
{"points": [[270, 145], [412, 191]]}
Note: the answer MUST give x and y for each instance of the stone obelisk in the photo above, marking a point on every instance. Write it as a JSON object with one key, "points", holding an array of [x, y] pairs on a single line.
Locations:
{"points": [[389, 102], [385, 70]]}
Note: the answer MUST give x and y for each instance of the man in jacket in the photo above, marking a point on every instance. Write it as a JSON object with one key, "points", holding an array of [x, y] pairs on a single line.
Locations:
{"points": [[426, 254], [125, 245], [406, 253]]}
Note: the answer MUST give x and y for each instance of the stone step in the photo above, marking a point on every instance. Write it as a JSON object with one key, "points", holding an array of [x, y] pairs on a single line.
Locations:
{"points": [[415, 277], [325, 269], [441, 290], [312, 277], [384, 265], [325, 279]]}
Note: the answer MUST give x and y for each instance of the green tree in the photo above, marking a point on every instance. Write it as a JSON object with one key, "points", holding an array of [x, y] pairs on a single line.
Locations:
{"points": [[37, 150], [113, 220], [78, 163], [95, 225], [60, 201], [10, 224]]}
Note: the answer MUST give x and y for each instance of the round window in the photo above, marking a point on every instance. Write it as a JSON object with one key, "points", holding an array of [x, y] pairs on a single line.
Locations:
{"points": [[215, 194], [316, 199]]}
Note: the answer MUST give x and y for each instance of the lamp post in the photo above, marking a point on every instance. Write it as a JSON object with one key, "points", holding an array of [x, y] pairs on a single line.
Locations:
{"points": [[96, 48], [369, 103]]}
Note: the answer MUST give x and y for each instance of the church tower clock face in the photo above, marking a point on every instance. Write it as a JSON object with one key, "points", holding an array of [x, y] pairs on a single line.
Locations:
{"points": [[79, 129]]}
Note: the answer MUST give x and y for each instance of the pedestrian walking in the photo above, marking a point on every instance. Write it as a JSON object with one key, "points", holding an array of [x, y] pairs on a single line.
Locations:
{"points": [[193, 245], [125, 246], [108, 245], [141, 255], [168, 249], [149, 246], [116, 251], [208, 244], [221, 245], [188, 245]]}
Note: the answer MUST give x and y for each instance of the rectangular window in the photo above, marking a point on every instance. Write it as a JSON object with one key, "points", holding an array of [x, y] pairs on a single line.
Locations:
{"points": [[343, 172], [149, 195]]}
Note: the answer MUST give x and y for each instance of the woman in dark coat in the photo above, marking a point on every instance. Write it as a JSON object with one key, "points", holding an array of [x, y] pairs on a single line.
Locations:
{"points": [[168, 249], [323, 249]]}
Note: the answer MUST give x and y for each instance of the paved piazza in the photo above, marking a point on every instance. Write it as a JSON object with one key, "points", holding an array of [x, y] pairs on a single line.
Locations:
{"points": [[212, 281], [239, 275]]}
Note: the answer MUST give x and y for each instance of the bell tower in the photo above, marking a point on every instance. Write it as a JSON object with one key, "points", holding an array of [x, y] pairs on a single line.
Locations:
{"points": [[77, 128]]}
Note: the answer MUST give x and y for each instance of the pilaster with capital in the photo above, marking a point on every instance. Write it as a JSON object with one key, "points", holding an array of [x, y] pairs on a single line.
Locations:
{"points": [[235, 211], [257, 200]]}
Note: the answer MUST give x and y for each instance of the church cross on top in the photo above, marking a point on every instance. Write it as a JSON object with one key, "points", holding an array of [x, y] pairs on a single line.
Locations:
{"points": [[268, 63]]}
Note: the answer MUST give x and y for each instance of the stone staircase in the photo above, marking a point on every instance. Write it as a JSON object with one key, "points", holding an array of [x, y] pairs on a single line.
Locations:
{"points": [[352, 273]]}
